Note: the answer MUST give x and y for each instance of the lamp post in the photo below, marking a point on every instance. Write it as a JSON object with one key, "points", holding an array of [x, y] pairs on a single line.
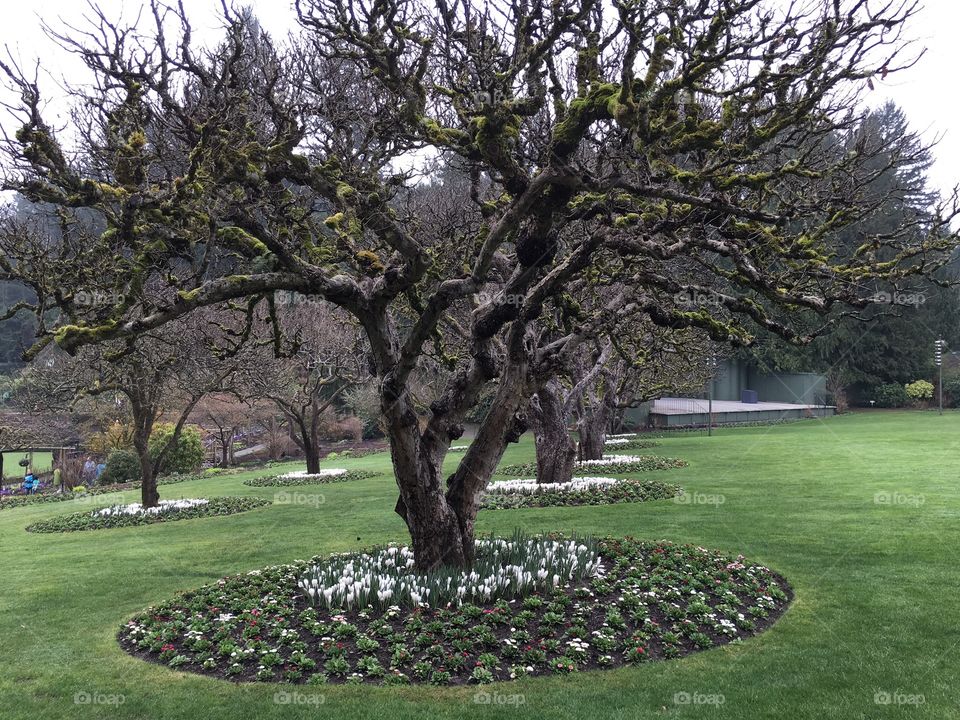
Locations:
{"points": [[938, 359], [712, 366]]}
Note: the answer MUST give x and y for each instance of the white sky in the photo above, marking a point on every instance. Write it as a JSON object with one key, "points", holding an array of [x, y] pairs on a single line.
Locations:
{"points": [[926, 92]]}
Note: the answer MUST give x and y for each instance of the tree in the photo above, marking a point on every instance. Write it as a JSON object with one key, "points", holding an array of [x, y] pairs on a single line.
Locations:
{"points": [[163, 373], [890, 341], [667, 148], [639, 363], [305, 381], [225, 416]]}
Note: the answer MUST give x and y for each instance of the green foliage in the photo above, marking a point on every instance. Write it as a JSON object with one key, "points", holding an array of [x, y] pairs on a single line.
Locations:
{"points": [[919, 390], [185, 457], [123, 465], [891, 395], [951, 388]]}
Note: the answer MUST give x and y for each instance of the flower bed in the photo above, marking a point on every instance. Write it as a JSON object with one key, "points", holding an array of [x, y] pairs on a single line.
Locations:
{"points": [[21, 500], [301, 477], [646, 601], [616, 464], [509, 494], [628, 443], [134, 514], [502, 569]]}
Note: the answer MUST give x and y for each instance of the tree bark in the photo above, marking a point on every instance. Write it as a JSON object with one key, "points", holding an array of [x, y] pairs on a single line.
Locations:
{"points": [[441, 523], [592, 429], [556, 451], [149, 495], [311, 451]]}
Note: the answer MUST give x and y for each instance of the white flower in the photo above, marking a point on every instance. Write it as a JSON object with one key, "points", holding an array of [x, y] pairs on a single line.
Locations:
{"points": [[165, 506]]}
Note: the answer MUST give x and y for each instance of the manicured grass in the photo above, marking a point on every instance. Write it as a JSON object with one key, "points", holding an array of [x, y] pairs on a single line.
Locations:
{"points": [[859, 513]]}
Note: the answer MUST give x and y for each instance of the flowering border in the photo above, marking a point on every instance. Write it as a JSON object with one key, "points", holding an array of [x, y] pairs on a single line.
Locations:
{"points": [[650, 601], [616, 464], [625, 491], [91, 520], [289, 480]]}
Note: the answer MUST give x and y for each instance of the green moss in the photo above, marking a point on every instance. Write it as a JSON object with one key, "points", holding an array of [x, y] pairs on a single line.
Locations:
{"points": [[240, 237], [369, 262], [346, 192], [335, 221]]}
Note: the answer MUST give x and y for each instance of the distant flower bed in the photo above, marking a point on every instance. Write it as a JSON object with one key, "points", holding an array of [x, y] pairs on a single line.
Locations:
{"points": [[623, 442], [616, 464], [627, 602], [135, 514], [302, 477], [85, 493], [458, 448], [510, 494]]}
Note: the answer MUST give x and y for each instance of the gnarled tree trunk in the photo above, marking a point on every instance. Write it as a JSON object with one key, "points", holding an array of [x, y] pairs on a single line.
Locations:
{"points": [[556, 451], [592, 429], [441, 522]]}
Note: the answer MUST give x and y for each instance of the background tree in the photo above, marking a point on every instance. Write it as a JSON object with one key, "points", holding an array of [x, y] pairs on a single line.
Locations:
{"points": [[224, 416], [307, 374], [161, 374], [668, 148]]}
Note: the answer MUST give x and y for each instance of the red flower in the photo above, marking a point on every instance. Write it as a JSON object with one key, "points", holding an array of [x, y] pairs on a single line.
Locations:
{"points": [[640, 650], [166, 647]]}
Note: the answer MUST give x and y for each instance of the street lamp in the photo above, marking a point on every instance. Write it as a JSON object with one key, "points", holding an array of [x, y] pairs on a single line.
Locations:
{"points": [[938, 347], [712, 366]]}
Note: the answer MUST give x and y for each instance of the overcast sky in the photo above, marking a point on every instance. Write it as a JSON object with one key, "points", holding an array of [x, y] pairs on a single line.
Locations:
{"points": [[927, 92]]}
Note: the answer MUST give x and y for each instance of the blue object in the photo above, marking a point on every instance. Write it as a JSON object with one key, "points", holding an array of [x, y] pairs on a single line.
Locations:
{"points": [[749, 397], [29, 484]]}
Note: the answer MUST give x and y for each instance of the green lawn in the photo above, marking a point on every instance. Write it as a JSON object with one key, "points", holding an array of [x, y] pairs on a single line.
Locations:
{"points": [[877, 606]]}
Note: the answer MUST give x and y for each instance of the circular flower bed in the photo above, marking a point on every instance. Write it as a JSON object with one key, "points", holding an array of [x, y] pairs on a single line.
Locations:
{"points": [[508, 494], [81, 492], [616, 464], [135, 514], [302, 477], [643, 601]]}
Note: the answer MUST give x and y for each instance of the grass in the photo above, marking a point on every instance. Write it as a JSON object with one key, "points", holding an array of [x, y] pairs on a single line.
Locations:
{"points": [[876, 583]]}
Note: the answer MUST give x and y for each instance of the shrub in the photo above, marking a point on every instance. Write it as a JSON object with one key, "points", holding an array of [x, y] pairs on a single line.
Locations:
{"points": [[122, 466], [185, 457], [919, 390], [891, 395]]}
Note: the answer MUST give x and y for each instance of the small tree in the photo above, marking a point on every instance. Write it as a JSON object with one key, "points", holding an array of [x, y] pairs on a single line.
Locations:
{"points": [[306, 377]]}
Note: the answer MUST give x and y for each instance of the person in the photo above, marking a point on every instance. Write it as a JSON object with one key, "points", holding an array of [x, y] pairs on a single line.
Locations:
{"points": [[89, 470], [29, 484], [58, 479]]}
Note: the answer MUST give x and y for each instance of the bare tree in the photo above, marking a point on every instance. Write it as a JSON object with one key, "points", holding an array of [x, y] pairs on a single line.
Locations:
{"points": [[325, 358], [664, 146]]}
